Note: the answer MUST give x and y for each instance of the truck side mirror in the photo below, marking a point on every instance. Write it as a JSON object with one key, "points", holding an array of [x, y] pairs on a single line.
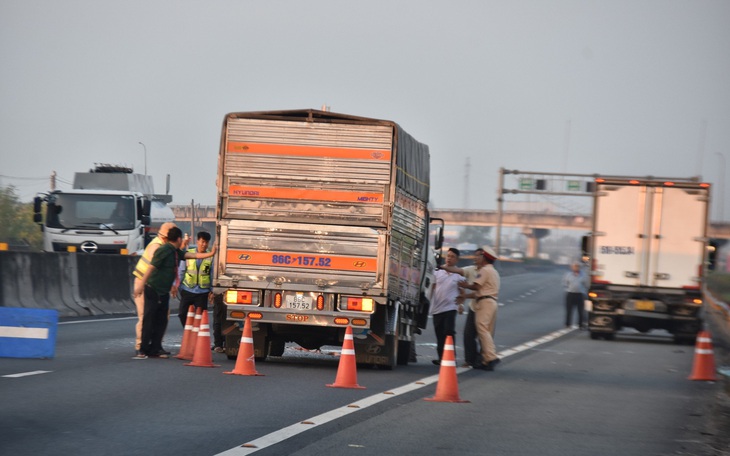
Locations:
{"points": [[584, 245], [439, 238], [713, 249], [37, 218], [145, 208], [438, 243], [146, 220], [37, 203]]}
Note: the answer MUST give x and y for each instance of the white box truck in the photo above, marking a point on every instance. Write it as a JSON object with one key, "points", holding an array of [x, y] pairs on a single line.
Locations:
{"points": [[647, 253], [110, 209], [323, 223]]}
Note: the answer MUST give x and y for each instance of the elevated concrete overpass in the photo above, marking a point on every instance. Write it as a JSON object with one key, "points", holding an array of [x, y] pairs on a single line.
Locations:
{"points": [[476, 217], [533, 224]]}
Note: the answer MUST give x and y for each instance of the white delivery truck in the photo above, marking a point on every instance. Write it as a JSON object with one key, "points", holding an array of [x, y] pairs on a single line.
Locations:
{"points": [[647, 253], [322, 224], [110, 209]]}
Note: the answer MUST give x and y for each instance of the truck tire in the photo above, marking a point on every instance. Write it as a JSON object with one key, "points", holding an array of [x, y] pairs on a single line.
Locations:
{"points": [[391, 348], [275, 347], [404, 352]]}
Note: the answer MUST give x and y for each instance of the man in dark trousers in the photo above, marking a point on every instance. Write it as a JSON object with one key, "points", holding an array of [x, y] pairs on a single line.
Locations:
{"points": [[195, 279], [575, 283], [445, 301], [155, 286]]}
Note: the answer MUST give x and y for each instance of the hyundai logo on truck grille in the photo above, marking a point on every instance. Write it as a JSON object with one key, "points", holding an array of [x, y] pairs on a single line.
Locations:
{"points": [[89, 247]]}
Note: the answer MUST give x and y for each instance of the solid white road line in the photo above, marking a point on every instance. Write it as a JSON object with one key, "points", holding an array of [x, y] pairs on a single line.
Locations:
{"points": [[297, 428], [26, 374]]}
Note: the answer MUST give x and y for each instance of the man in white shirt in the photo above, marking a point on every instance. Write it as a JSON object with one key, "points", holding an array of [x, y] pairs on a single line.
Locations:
{"points": [[446, 302]]}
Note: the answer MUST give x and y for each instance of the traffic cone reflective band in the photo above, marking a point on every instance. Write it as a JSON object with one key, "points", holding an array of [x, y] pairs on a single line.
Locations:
{"points": [[447, 389], [202, 356], [195, 331], [704, 362], [347, 369], [186, 347], [245, 364]]}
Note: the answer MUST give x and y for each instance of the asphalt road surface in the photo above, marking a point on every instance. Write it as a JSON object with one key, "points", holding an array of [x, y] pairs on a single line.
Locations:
{"points": [[556, 392]]}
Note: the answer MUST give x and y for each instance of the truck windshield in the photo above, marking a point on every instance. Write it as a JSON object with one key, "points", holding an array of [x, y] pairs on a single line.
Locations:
{"points": [[104, 212]]}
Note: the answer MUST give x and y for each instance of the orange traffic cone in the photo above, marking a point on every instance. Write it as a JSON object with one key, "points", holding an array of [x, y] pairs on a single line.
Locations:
{"points": [[245, 364], [704, 362], [202, 356], [186, 349], [347, 371], [447, 389], [194, 333]]}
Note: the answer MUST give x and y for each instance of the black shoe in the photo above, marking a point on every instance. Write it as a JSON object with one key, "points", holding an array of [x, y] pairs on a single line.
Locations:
{"points": [[165, 352], [480, 366], [492, 364], [436, 362], [161, 354]]}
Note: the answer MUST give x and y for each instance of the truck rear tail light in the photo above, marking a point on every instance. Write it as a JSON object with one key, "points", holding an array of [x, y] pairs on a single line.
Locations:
{"points": [[238, 314], [239, 297], [277, 300], [342, 321], [357, 304], [320, 302], [255, 315], [693, 301], [359, 322], [599, 294]]}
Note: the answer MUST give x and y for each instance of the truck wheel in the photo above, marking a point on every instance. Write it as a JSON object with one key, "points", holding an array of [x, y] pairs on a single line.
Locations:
{"points": [[276, 347], [684, 340], [404, 352], [391, 351], [595, 336]]}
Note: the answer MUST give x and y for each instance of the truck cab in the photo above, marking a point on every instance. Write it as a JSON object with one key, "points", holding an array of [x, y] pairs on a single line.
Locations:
{"points": [[109, 210]]}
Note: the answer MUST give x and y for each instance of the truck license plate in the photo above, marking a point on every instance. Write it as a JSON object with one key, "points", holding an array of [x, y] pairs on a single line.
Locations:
{"points": [[299, 302], [644, 305]]}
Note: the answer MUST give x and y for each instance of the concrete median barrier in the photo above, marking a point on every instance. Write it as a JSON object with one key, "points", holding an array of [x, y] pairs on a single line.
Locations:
{"points": [[74, 284]]}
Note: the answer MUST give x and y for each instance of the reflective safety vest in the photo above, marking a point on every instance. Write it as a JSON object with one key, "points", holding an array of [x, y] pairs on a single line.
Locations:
{"points": [[197, 276], [146, 259]]}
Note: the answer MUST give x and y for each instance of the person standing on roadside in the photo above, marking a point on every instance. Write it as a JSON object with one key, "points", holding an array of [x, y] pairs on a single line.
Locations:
{"points": [[195, 279], [576, 290], [445, 301], [484, 291], [155, 286], [139, 271]]}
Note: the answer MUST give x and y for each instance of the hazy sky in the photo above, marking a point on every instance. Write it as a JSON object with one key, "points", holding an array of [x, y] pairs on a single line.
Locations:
{"points": [[636, 87]]}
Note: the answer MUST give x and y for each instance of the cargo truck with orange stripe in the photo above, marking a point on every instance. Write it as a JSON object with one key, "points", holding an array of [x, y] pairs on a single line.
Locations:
{"points": [[323, 223]]}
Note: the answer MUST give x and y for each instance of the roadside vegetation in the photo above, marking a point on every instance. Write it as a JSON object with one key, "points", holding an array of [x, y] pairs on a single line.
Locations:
{"points": [[16, 222], [719, 285]]}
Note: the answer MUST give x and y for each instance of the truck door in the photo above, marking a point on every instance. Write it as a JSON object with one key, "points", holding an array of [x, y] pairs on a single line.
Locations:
{"points": [[620, 240], [678, 231]]}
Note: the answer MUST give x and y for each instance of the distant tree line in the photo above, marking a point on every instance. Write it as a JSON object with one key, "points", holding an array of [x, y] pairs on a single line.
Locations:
{"points": [[17, 228]]}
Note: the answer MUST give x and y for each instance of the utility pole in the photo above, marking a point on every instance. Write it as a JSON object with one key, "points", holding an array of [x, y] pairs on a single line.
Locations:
{"points": [[466, 183], [53, 180]]}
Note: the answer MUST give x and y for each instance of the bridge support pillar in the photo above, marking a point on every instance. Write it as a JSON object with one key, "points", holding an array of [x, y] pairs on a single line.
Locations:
{"points": [[533, 240]]}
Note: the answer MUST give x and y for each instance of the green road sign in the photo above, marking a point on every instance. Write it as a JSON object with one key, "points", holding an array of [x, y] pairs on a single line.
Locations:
{"points": [[526, 183], [573, 186]]}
